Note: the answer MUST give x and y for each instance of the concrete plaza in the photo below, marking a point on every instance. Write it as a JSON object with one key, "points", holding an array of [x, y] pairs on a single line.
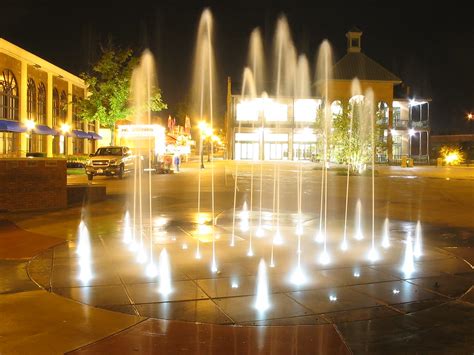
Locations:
{"points": [[47, 308]]}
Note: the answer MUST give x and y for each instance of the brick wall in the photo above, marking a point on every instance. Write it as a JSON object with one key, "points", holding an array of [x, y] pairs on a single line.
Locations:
{"points": [[28, 184]]}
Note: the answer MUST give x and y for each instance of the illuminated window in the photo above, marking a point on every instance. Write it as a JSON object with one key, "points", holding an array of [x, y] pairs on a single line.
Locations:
{"points": [[275, 111], [56, 107], [305, 110], [248, 110], [63, 105], [8, 95], [41, 111], [336, 108], [31, 99]]}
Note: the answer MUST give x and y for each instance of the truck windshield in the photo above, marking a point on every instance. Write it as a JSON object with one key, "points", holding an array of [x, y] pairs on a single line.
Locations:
{"points": [[108, 151]]}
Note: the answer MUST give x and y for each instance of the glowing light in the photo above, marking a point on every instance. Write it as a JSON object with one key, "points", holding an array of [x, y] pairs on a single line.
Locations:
{"points": [[197, 255], [344, 245], [386, 234], [324, 258], [204, 229], [408, 264], [417, 252], [299, 229], [133, 246], [373, 255], [277, 239], [250, 252], [319, 237], [411, 132], [214, 266], [65, 128], [127, 233], [184, 246], [356, 274], [395, 291], [84, 252], [142, 256], [30, 124], [165, 274], [332, 298], [160, 222], [260, 233], [244, 218], [305, 110], [262, 302], [235, 285], [298, 277], [151, 270], [393, 132]]}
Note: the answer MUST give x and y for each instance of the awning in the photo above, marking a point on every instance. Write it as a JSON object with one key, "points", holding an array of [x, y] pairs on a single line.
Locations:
{"points": [[45, 130], [80, 134], [11, 126], [93, 135]]}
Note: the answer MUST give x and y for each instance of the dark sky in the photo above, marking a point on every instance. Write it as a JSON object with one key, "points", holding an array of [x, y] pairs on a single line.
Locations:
{"points": [[430, 47]]}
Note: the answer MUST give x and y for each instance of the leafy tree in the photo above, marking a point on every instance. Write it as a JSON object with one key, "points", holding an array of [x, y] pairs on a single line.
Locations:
{"points": [[351, 140], [108, 87]]}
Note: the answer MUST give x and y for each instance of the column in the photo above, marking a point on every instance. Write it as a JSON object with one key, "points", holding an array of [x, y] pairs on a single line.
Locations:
{"points": [[69, 117], [23, 106], [49, 114]]}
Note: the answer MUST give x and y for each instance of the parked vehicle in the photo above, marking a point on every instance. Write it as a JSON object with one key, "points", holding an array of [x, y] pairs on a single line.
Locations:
{"points": [[110, 161]]}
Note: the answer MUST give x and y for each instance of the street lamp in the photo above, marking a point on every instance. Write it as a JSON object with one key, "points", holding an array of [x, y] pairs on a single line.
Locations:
{"points": [[65, 129], [30, 126], [470, 116]]}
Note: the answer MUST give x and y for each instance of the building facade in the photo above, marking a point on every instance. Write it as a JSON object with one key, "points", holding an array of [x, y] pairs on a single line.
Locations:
{"points": [[284, 128], [38, 111]]}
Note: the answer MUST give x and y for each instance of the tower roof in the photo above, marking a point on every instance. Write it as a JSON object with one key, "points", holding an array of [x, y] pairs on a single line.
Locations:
{"points": [[357, 64]]}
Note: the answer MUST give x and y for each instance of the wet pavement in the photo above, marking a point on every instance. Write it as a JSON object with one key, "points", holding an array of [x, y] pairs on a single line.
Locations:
{"points": [[350, 305]]}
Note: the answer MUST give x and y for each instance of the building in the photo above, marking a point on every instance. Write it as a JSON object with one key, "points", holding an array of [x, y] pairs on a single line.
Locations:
{"points": [[285, 128], [38, 115]]}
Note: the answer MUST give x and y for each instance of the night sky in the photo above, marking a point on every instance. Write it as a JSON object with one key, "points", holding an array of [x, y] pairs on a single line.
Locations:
{"points": [[430, 47]]}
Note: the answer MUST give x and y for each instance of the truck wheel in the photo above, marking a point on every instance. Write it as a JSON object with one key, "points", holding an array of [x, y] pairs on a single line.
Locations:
{"points": [[120, 174], [90, 177]]}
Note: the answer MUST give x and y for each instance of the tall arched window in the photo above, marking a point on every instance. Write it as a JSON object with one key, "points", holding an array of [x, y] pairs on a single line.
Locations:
{"points": [[8, 95], [76, 120], [31, 99], [56, 108], [63, 106], [41, 117]]}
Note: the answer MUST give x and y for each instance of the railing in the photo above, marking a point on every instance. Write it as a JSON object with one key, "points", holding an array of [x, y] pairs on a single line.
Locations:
{"points": [[403, 124], [419, 124]]}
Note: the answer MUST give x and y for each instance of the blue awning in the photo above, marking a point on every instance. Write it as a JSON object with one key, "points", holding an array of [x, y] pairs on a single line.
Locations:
{"points": [[93, 135], [80, 134], [11, 126], [45, 130]]}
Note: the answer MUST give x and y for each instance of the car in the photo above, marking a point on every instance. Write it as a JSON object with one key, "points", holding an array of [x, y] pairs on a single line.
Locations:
{"points": [[110, 161]]}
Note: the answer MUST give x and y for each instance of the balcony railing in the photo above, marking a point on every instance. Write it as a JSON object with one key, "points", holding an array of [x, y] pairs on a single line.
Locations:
{"points": [[400, 124], [419, 124]]}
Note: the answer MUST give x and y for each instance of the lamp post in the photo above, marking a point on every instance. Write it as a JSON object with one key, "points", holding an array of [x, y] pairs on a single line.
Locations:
{"points": [[65, 128]]}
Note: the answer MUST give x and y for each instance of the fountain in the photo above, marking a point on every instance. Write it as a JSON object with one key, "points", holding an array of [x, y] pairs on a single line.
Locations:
{"points": [[203, 91], [386, 234], [417, 252], [358, 215], [164, 274], [324, 75], [83, 250], [262, 302]]}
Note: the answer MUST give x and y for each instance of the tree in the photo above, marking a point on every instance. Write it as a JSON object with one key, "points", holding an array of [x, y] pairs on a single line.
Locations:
{"points": [[108, 87], [351, 141]]}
